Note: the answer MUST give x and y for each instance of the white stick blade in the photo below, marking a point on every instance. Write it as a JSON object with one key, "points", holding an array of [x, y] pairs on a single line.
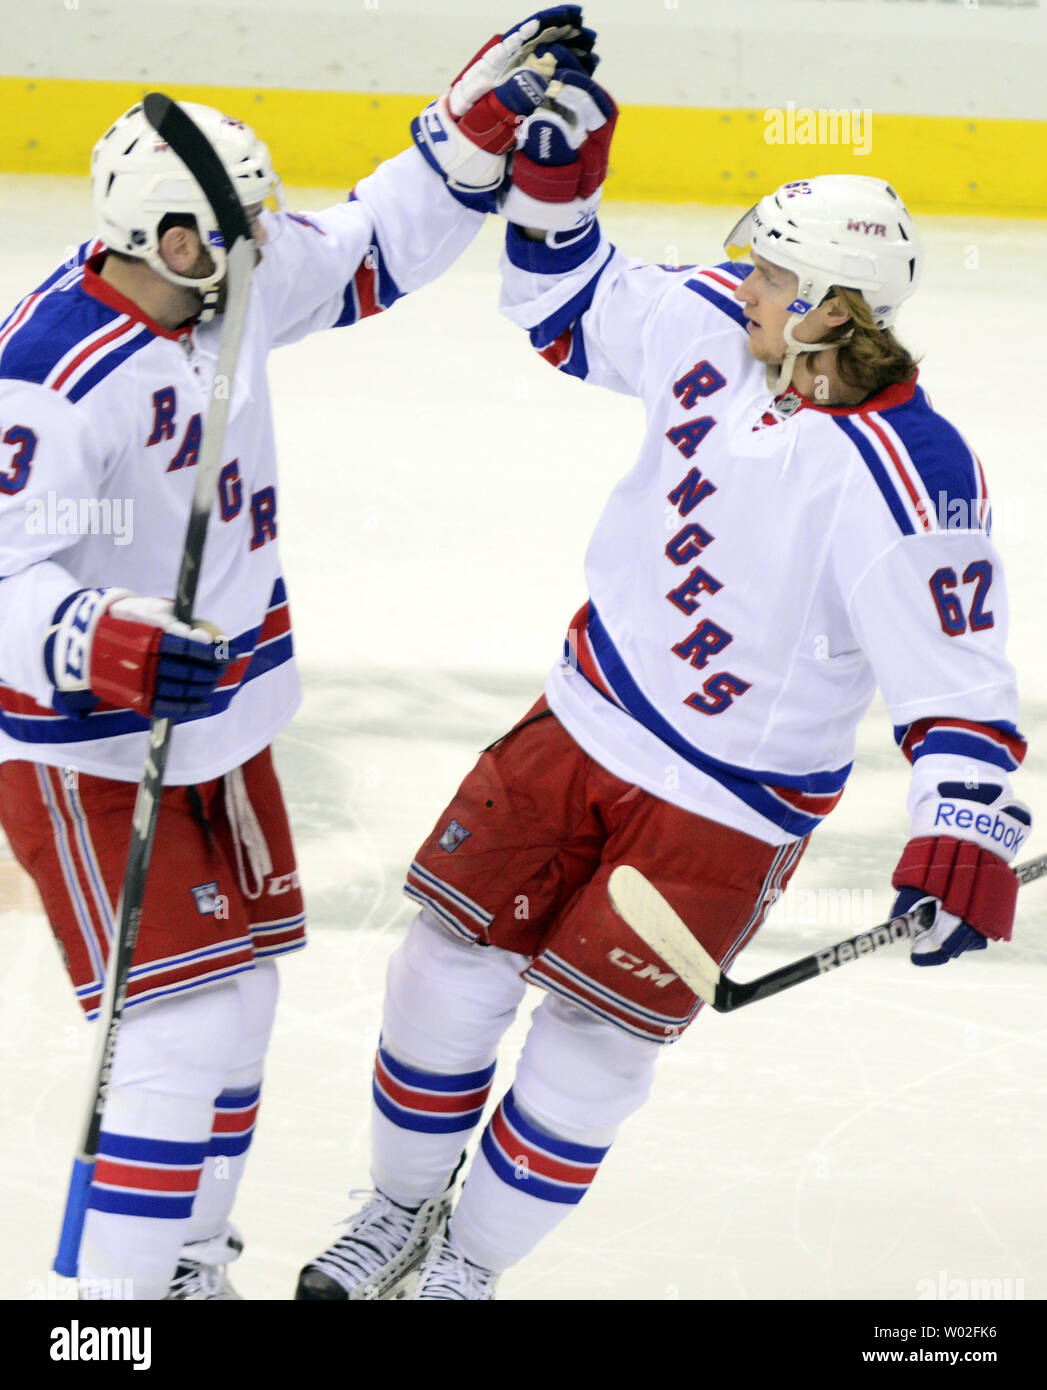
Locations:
{"points": [[637, 900]]}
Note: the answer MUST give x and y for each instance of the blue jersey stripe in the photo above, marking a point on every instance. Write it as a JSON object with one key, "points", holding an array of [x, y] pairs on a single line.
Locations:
{"points": [[1004, 726], [545, 333], [745, 783], [576, 363], [720, 299], [109, 363], [69, 268], [942, 460], [63, 318], [741, 783], [113, 723], [387, 291], [738, 270], [958, 744], [876, 467]]}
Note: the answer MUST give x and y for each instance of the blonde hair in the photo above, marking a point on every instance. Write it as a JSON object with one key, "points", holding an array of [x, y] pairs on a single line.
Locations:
{"points": [[872, 359]]}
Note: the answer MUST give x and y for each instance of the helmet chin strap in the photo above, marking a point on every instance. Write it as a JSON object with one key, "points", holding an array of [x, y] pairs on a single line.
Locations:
{"points": [[780, 375], [208, 286]]}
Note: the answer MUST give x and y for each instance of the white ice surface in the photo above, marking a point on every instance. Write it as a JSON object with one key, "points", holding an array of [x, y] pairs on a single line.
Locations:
{"points": [[845, 1140]]}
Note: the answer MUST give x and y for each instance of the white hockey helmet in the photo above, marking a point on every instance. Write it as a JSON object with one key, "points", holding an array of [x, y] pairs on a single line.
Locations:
{"points": [[837, 229], [137, 180]]}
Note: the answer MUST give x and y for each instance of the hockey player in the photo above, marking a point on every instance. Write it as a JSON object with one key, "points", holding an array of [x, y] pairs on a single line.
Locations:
{"points": [[798, 527], [105, 370]]}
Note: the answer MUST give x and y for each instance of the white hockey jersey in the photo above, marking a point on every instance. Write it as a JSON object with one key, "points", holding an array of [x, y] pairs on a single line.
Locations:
{"points": [[101, 413], [764, 564]]}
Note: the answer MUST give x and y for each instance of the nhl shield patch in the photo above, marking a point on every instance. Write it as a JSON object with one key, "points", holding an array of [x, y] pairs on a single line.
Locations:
{"points": [[206, 896], [453, 836]]}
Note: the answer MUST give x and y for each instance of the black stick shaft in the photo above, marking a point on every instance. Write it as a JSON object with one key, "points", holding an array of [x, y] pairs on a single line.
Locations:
{"points": [[733, 994]]}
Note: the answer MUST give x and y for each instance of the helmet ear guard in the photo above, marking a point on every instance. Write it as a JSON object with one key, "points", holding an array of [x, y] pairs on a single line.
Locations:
{"points": [[137, 180]]}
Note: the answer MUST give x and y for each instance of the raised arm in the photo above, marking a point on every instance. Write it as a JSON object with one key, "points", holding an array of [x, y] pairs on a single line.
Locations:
{"points": [[410, 220], [589, 309]]}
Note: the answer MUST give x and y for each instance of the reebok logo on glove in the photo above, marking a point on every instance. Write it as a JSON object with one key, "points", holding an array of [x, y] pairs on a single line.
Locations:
{"points": [[1004, 833]]}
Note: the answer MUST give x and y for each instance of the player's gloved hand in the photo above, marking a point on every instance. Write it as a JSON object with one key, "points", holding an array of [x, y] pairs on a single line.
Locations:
{"points": [[964, 839], [560, 164], [466, 134], [112, 645]]}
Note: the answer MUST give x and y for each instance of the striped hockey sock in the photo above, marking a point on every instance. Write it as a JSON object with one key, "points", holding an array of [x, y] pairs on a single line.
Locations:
{"points": [[138, 1214], [523, 1182], [421, 1121], [224, 1162]]}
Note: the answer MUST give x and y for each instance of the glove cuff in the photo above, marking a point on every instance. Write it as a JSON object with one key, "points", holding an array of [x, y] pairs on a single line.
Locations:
{"points": [[967, 880], [67, 647], [524, 210], [472, 174]]}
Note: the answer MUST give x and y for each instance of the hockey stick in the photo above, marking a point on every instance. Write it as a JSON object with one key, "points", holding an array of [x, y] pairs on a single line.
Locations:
{"points": [[190, 145], [654, 921]]}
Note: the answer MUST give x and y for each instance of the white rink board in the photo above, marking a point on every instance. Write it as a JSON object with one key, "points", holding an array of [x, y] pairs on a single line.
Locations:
{"points": [[845, 1140], [918, 57]]}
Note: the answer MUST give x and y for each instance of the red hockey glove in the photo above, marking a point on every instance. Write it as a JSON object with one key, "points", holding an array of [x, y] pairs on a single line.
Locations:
{"points": [[112, 645], [964, 865]]}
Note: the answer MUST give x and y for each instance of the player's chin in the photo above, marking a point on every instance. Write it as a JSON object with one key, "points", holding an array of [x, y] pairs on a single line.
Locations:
{"points": [[762, 353]]}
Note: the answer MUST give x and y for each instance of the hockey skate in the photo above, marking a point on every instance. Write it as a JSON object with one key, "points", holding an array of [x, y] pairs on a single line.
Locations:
{"points": [[376, 1257], [201, 1273], [447, 1275]]}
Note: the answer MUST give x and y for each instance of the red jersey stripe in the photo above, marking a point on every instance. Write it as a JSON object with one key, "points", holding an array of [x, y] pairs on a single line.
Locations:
{"points": [[559, 349], [814, 804], [364, 280], [19, 318], [97, 346], [921, 509], [731, 285]]}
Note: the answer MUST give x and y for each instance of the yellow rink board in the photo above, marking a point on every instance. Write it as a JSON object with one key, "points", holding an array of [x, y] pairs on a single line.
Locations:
{"points": [[661, 153]]}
